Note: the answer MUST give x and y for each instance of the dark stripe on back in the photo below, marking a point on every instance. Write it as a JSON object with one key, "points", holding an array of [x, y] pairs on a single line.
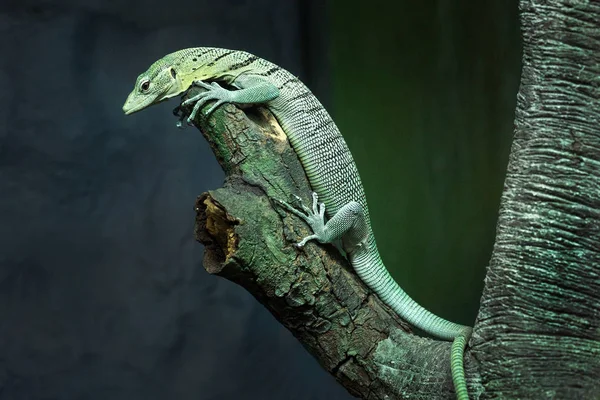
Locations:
{"points": [[213, 62], [301, 96], [314, 109], [200, 53], [292, 80], [245, 63], [271, 71]]}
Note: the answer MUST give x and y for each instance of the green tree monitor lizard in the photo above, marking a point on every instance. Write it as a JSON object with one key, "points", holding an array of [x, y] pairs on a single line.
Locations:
{"points": [[323, 153]]}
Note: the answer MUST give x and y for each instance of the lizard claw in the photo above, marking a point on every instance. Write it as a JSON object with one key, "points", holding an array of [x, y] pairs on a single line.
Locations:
{"points": [[217, 104], [202, 84], [290, 208], [213, 92], [301, 204], [315, 218]]}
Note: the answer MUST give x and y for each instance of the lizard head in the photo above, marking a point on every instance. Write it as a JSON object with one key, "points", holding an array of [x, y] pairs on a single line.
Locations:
{"points": [[160, 82]]}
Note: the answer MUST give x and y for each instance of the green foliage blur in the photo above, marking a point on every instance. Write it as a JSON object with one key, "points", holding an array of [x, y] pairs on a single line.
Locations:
{"points": [[425, 93]]}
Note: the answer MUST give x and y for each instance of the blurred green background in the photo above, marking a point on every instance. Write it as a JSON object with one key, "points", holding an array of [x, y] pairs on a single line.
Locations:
{"points": [[425, 94]]}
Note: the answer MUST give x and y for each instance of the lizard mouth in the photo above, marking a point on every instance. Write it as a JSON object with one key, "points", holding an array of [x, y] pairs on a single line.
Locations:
{"points": [[128, 111], [133, 104]]}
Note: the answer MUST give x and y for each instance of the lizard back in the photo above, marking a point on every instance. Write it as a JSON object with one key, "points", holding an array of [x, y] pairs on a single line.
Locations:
{"points": [[313, 134]]}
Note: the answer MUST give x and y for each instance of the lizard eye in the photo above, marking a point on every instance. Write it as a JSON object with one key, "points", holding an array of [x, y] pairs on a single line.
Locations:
{"points": [[145, 85]]}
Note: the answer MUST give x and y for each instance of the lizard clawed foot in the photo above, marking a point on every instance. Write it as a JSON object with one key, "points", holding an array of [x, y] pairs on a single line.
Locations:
{"points": [[214, 92], [315, 218]]}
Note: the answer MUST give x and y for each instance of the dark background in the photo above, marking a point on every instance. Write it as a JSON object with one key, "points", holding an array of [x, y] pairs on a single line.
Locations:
{"points": [[102, 291]]}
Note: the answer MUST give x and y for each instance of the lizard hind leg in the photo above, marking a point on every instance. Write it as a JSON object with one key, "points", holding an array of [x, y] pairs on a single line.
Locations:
{"points": [[348, 223]]}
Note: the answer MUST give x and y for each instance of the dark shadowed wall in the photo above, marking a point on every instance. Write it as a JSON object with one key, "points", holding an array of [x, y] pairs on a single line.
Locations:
{"points": [[102, 291]]}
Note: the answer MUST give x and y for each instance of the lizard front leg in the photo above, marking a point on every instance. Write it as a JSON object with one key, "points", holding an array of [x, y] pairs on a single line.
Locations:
{"points": [[348, 223], [252, 91]]}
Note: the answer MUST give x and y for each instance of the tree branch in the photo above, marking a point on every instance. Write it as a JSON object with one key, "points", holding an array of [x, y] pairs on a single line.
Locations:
{"points": [[313, 292]]}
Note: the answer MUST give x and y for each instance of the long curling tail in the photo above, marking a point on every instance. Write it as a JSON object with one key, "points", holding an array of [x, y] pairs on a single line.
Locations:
{"points": [[370, 269], [456, 364]]}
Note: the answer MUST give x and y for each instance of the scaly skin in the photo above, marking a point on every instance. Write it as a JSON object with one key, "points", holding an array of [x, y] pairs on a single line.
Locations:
{"points": [[323, 153]]}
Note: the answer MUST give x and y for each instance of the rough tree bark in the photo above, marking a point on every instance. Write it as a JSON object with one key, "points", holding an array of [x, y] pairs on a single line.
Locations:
{"points": [[538, 331], [537, 334]]}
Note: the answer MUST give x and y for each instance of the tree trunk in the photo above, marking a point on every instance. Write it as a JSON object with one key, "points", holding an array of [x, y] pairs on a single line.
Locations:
{"points": [[538, 331], [537, 334]]}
